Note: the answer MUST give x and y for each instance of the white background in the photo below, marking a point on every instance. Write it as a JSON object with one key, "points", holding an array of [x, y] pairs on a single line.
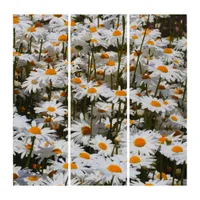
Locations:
{"points": [[8, 8]]}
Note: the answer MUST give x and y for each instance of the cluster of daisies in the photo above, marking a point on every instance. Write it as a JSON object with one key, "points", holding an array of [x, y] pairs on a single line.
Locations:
{"points": [[158, 107], [40, 87], [99, 99]]}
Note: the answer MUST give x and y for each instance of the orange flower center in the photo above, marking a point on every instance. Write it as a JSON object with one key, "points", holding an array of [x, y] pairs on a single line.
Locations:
{"points": [[31, 29], [135, 159], [15, 176], [167, 50], [161, 87], [93, 40], [35, 130], [148, 184], [150, 42], [155, 103], [162, 69], [76, 80], [134, 37], [73, 166], [50, 72], [85, 155], [62, 38], [28, 146], [114, 168], [177, 149], [120, 93], [57, 151], [92, 90], [102, 146], [116, 33], [104, 56], [15, 19], [163, 176], [34, 82], [57, 15], [174, 118], [110, 63], [86, 130], [51, 109], [32, 178], [139, 142], [93, 29], [162, 140]]}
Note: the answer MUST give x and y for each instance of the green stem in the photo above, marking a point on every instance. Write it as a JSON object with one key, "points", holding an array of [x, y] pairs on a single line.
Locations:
{"points": [[138, 58], [157, 86], [117, 126], [183, 172], [91, 117], [161, 166], [14, 38], [40, 50], [29, 156], [174, 172]]}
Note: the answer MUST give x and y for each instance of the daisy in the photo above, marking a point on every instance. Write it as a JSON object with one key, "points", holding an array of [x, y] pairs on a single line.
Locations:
{"points": [[176, 151], [101, 144], [139, 161], [177, 119], [167, 72], [153, 104], [143, 142], [51, 108], [81, 131], [117, 95], [38, 131]]}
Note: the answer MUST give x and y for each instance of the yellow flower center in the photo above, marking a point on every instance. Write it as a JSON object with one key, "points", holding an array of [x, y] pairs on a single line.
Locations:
{"points": [[93, 40], [92, 90], [116, 33], [134, 37], [139, 142], [167, 50], [86, 130], [163, 176], [57, 151], [155, 103], [32, 178], [177, 149], [150, 42], [162, 140], [174, 118], [15, 19], [104, 56], [34, 82], [51, 109], [101, 110], [35, 130], [85, 155], [100, 72], [93, 29], [134, 27], [62, 38], [148, 184], [178, 91], [114, 168], [110, 63], [73, 166], [162, 69], [120, 93], [16, 54], [50, 71], [57, 15], [63, 94], [102, 146], [161, 87], [148, 30], [31, 29], [135, 159], [108, 126], [15, 176], [76, 80], [28, 146]]}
